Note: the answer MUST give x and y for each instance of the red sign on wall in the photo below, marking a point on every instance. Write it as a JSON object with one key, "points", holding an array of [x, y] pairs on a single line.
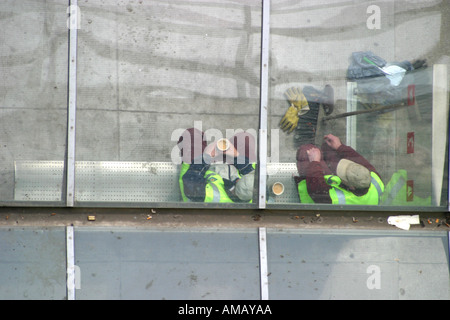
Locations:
{"points": [[410, 143]]}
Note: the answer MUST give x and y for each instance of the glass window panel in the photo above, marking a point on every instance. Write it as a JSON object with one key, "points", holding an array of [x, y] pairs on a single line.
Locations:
{"points": [[33, 101], [182, 264], [32, 263], [315, 264], [147, 71], [360, 68]]}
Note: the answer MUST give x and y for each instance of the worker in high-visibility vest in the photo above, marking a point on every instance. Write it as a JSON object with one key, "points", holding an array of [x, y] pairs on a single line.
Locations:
{"points": [[208, 175], [336, 174], [397, 192]]}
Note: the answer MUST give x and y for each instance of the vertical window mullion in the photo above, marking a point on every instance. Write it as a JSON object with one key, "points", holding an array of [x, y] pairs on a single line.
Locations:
{"points": [[72, 102], [265, 32], [70, 263], [264, 271]]}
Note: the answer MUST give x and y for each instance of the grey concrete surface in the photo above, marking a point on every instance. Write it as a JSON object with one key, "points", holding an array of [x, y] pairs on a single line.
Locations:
{"points": [[146, 69]]}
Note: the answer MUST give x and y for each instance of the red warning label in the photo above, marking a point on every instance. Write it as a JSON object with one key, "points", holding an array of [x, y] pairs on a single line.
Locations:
{"points": [[410, 143]]}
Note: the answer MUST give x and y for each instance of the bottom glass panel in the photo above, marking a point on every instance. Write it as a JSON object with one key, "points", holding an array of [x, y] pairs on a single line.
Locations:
{"points": [[357, 265], [120, 263], [32, 263]]}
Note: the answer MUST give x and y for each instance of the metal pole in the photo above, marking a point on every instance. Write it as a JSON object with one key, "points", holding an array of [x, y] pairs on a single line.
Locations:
{"points": [[73, 25], [263, 264], [262, 162], [70, 256]]}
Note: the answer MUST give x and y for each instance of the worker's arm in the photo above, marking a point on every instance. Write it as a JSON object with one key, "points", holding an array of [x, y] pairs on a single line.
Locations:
{"points": [[346, 152], [318, 189]]}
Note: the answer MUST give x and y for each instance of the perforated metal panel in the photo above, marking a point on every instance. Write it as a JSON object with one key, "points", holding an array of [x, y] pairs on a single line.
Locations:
{"points": [[126, 181], [123, 181], [100, 181], [38, 180], [284, 173]]}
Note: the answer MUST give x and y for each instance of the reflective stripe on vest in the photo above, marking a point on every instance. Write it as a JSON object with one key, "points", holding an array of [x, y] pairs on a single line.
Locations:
{"points": [[215, 195], [393, 193], [340, 196], [378, 187], [396, 190], [215, 191]]}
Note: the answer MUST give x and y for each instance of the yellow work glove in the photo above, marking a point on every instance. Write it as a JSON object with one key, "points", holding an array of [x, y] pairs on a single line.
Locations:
{"points": [[299, 106], [290, 119], [296, 97]]}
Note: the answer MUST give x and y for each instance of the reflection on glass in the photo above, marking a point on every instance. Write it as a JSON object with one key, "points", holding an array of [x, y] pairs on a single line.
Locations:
{"points": [[33, 100], [339, 264], [167, 264], [149, 70], [336, 174], [349, 82], [221, 171]]}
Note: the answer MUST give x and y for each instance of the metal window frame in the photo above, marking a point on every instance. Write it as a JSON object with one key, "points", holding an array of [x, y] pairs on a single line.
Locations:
{"points": [[264, 90], [70, 263], [71, 110], [263, 262]]}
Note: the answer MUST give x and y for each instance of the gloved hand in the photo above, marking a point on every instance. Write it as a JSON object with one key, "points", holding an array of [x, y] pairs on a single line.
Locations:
{"points": [[290, 119], [299, 106], [296, 97]]}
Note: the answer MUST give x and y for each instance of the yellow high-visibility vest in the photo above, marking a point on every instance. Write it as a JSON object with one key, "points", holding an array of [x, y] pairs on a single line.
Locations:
{"points": [[339, 195], [214, 189], [396, 192]]}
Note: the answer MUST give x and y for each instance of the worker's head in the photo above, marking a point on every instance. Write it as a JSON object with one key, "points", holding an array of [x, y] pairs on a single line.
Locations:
{"points": [[191, 143], [353, 174]]}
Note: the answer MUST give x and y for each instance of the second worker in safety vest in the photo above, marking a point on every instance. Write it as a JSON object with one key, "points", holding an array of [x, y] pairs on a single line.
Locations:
{"points": [[336, 174], [208, 175]]}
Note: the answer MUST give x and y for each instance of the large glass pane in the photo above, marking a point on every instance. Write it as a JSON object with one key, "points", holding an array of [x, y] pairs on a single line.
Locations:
{"points": [[32, 263], [149, 70], [33, 100], [371, 75], [167, 264], [319, 264]]}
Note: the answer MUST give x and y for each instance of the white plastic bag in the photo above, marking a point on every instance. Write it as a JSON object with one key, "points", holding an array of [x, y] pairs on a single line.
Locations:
{"points": [[403, 222]]}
